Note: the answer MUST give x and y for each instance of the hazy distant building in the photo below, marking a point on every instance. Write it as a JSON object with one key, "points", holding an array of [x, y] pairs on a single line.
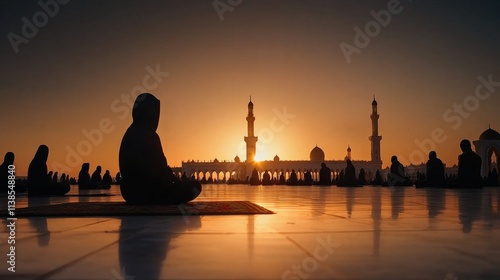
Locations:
{"points": [[239, 170]]}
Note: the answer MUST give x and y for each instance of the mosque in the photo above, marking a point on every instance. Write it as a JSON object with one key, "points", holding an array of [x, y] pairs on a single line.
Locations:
{"points": [[239, 170]]}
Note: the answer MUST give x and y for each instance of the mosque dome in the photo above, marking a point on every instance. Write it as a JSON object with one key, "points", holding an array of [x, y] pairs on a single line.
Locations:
{"points": [[489, 134], [317, 154], [276, 158], [237, 159]]}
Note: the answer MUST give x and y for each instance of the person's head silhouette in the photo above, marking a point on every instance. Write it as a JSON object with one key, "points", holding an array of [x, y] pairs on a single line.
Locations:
{"points": [[465, 146], [9, 158], [432, 155], [146, 110], [394, 159]]}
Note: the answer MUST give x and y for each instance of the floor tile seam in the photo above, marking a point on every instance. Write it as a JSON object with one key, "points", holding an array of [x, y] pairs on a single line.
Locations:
{"points": [[68, 264], [35, 235]]}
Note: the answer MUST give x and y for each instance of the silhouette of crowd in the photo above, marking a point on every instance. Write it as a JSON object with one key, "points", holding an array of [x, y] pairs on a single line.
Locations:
{"points": [[146, 178]]}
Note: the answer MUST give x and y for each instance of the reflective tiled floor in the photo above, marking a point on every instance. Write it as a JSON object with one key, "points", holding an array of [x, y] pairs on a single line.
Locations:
{"points": [[316, 233]]}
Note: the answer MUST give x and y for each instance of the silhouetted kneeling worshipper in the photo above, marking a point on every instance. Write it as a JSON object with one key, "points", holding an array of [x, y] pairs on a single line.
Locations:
{"points": [[4, 172], [84, 180], [397, 176], [146, 176], [39, 182], [434, 172]]}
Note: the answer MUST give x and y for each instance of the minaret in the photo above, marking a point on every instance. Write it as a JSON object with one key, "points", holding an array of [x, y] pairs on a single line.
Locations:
{"points": [[375, 138], [251, 139], [348, 152]]}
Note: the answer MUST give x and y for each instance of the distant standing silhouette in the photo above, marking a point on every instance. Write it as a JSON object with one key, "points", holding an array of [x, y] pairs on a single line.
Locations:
{"points": [[325, 178], [469, 166], [39, 182], [146, 176]]}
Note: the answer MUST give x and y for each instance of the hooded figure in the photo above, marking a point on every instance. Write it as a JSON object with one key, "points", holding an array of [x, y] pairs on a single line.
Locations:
{"points": [[39, 182], [146, 177], [96, 176], [84, 182]]}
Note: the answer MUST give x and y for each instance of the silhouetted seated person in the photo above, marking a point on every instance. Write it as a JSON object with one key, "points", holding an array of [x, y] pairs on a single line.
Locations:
{"points": [[55, 178], [19, 186], [349, 175], [96, 176], [325, 178], [63, 178], [397, 177], [282, 179], [362, 177], [308, 180], [493, 178], [118, 178], [39, 182], [106, 179], [51, 176], [255, 180], [266, 179], [435, 172], [84, 181], [293, 180], [378, 179], [469, 168], [340, 177], [146, 176]]}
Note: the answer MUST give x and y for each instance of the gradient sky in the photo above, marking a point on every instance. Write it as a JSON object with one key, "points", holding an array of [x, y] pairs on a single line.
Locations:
{"points": [[73, 73]]}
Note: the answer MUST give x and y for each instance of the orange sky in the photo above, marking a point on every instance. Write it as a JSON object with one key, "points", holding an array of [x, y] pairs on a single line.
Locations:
{"points": [[82, 67]]}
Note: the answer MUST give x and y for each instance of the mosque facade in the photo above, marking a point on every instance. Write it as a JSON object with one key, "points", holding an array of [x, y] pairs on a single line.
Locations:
{"points": [[239, 170]]}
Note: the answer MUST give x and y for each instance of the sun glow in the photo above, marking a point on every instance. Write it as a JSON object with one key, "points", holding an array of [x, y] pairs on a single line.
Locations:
{"points": [[258, 157]]}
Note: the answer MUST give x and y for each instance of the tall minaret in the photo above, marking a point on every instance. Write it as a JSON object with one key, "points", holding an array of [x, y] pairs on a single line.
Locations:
{"points": [[375, 138], [348, 152], [251, 139]]}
